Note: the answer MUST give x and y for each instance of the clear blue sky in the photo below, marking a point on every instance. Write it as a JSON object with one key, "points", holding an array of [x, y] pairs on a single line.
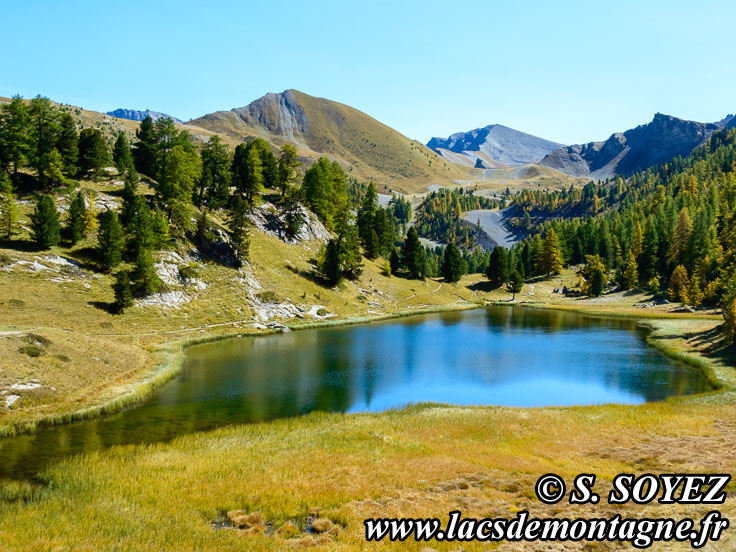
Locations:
{"points": [[566, 71]]}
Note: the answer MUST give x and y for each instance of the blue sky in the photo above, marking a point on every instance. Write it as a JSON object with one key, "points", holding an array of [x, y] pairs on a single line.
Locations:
{"points": [[566, 71]]}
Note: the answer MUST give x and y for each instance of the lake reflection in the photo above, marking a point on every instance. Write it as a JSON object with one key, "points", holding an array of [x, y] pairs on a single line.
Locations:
{"points": [[497, 356]]}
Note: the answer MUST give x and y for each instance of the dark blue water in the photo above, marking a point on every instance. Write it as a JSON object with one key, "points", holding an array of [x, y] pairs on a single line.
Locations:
{"points": [[496, 356]]}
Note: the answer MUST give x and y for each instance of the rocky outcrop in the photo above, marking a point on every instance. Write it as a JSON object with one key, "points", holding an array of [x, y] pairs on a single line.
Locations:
{"points": [[663, 139], [137, 115], [493, 146]]}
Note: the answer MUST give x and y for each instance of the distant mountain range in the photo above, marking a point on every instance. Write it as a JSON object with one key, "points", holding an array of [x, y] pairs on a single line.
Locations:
{"points": [[136, 115], [492, 147], [367, 149], [623, 153]]}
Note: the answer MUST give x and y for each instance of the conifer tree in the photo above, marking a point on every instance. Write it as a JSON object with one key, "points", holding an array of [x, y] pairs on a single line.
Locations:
{"points": [[15, 131], [413, 256], [144, 151], [44, 125], [680, 237], [90, 216], [122, 156], [247, 171], [77, 215], [55, 169], [130, 191], [159, 230], [293, 218], [453, 264], [394, 261], [122, 290], [68, 143], [144, 274], [288, 164], [516, 282], [8, 207], [329, 265], [93, 156], [497, 271], [110, 240], [551, 256], [45, 227], [214, 185], [630, 278], [239, 228], [679, 284], [637, 244], [140, 228]]}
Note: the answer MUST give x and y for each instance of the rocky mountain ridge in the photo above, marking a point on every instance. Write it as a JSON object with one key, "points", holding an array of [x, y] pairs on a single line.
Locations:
{"points": [[492, 147]]}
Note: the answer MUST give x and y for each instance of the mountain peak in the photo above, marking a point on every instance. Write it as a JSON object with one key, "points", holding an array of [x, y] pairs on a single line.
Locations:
{"points": [[659, 141], [493, 146], [137, 115]]}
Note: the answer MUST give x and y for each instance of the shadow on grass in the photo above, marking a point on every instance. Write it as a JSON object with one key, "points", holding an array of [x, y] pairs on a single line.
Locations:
{"points": [[109, 308]]}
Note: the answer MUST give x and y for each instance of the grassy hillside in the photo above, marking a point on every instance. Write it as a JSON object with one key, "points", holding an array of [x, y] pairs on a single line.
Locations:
{"points": [[369, 149]]}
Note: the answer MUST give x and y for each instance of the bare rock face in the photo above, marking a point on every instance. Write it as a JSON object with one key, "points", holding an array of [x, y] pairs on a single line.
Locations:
{"points": [[268, 219], [660, 141], [137, 115], [280, 114], [493, 146]]}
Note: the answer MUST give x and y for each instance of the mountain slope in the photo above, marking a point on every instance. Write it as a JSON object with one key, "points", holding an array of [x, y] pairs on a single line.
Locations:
{"points": [[493, 146], [318, 127], [657, 142], [137, 115]]}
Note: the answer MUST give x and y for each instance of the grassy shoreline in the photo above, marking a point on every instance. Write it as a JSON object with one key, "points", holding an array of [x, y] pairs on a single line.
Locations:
{"points": [[169, 358], [168, 362]]}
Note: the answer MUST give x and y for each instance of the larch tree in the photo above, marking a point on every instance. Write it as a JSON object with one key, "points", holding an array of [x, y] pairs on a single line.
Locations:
{"points": [[551, 256], [680, 237], [679, 285]]}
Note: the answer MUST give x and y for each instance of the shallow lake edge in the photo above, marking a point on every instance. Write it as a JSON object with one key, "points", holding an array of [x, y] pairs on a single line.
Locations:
{"points": [[169, 358]]}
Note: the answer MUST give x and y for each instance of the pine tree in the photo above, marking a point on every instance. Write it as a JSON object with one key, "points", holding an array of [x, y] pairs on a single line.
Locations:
{"points": [[44, 125], [130, 191], [160, 230], [551, 256], [247, 171], [329, 265], [648, 259], [594, 276], [140, 228], [239, 227], [144, 151], [93, 155], [110, 240], [630, 277], [45, 227], [679, 284], [214, 186], [293, 218], [144, 275], [122, 290], [288, 163], [497, 271], [394, 261], [121, 154], [516, 282], [8, 207], [414, 258], [453, 264], [15, 130], [68, 144], [77, 213]]}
